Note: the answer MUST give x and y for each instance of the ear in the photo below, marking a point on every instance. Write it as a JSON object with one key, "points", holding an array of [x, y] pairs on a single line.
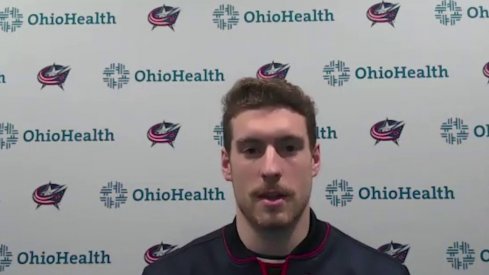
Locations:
{"points": [[316, 160], [226, 165]]}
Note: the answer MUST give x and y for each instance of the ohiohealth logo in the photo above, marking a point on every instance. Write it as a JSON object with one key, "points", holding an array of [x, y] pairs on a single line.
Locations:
{"points": [[336, 73], [448, 12], [460, 255], [2, 79], [152, 194], [31, 257], [8, 135], [5, 257], [454, 131], [383, 12], [116, 75], [157, 251], [10, 19], [164, 16], [339, 193], [219, 134], [225, 17], [113, 195]]}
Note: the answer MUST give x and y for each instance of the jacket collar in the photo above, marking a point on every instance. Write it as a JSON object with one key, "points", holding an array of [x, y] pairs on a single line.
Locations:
{"points": [[314, 243]]}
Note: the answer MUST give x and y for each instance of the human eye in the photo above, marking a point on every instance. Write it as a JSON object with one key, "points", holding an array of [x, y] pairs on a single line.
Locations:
{"points": [[251, 149], [289, 147]]}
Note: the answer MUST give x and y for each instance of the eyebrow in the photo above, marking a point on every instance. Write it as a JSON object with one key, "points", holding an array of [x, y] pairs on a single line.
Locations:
{"points": [[247, 140], [285, 138], [291, 138]]}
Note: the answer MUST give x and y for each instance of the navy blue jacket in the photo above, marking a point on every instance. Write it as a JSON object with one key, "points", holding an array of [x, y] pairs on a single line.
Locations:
{"points": [[325, 251]]}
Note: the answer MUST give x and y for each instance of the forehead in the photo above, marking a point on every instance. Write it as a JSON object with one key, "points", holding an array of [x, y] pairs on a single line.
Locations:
{"points": [[268, 123]]}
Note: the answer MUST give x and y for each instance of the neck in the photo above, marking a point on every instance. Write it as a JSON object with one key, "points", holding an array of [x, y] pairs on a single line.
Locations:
{"points": [[276, 241]]}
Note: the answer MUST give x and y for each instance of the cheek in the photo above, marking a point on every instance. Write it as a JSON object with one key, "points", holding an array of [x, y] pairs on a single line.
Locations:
{"points": [[244, 175], [245, 169], [300, 168], [300, 176]]}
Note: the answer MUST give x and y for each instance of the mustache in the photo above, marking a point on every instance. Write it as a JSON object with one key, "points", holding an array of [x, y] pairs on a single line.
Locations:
{"points": [[276, 189]]}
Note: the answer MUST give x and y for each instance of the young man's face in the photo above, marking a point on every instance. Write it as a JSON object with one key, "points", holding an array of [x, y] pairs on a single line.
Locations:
{"points": [[271, 166]]}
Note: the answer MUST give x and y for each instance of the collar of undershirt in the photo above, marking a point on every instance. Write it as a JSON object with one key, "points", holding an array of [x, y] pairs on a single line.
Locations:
{"points": [[314, 242]]}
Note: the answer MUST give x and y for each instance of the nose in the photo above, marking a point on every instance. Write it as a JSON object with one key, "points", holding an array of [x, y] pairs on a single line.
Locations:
{"points": [[271, 170]]}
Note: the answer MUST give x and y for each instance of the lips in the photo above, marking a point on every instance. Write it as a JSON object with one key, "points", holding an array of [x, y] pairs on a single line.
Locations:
{"points": [[272, 195]]}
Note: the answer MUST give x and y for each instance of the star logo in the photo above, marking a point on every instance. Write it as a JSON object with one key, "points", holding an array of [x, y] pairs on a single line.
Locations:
{"points": [[273, 70], [49, 194], [164, 16], [53, 75], [485, 70], [387, 130], [164, 132], [396, 250], [383, 12], [157, 251]]}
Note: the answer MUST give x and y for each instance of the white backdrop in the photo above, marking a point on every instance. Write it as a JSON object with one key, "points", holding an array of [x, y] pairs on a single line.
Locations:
{"points": [[432, 228]]}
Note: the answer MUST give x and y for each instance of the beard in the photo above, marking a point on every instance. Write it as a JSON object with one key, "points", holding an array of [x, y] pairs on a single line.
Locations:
{"points": [[261, 217]]}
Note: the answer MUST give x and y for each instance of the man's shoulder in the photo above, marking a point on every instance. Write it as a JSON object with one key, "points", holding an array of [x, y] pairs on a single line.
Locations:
{"points": [[362, 256], [181, 259]]}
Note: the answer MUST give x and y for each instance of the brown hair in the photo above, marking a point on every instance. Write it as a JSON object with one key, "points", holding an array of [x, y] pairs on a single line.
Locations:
{"points": [[253, 93]]}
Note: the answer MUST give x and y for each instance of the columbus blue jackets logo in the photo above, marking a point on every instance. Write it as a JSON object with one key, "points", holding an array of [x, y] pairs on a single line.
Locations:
{"points": [[164, 16], [383, 12], [165, 132], [49, 194], [396, 250], [387, 130], [273, 70], [157, 251], [485, 70], [53, 75]]}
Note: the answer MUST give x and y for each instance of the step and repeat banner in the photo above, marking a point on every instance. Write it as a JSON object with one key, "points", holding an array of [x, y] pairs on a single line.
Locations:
{"points": [[110, 125]]}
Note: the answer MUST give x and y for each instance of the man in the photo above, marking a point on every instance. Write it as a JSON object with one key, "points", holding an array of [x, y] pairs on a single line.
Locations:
{"points": [[271, 157]]}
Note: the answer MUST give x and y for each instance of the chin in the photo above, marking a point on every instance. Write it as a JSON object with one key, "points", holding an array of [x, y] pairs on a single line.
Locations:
{"points": [[273, 220]]}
